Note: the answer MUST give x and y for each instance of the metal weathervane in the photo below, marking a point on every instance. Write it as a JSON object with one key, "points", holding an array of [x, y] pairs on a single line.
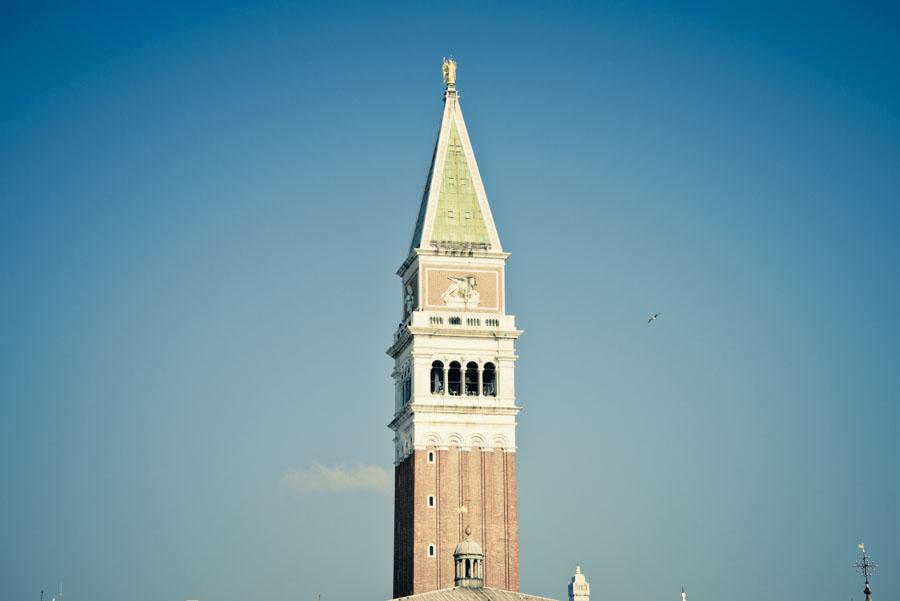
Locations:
{"points": [[866, 567]]}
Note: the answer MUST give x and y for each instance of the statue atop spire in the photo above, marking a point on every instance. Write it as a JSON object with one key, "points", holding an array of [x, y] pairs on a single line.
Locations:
{"points": [[449, 70]]}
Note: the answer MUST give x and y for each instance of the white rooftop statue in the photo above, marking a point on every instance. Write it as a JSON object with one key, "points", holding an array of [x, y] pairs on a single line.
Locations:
{"points": [[579, 588]]}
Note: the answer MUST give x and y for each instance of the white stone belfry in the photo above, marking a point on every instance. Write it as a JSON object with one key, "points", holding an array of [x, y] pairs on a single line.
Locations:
{"points": [[579, 587], [454, 349]]}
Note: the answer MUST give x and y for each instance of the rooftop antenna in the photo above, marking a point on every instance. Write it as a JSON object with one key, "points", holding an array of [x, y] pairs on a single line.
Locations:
{"points": [[866, 567]]}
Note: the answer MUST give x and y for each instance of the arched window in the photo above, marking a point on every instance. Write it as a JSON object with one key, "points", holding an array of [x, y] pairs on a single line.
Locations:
{"points": [[431, 500], [437, 377], [430, 456], [454, 377], [468, 568], [430, 550], [489, 380], [406, 387], [471, 378]]}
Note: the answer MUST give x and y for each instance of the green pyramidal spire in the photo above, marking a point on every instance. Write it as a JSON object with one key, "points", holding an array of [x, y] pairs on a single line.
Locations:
{"points": [[454, 214]]}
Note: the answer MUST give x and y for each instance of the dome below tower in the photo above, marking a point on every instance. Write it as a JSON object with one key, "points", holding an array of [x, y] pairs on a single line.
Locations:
{"points": [[468, 559]]}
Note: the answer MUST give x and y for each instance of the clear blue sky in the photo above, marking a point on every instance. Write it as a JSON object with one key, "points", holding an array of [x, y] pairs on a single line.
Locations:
{"points": [[203, 209]]}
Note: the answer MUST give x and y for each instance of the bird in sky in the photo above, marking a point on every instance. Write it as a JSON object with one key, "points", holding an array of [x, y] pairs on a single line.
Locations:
{"points": [[653, 317]]}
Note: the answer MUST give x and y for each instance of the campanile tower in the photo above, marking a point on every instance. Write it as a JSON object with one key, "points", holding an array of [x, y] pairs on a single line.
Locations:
{"points": [[454, 351]]}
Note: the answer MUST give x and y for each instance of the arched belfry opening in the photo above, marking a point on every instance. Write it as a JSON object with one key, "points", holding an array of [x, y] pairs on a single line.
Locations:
{"points": [[437, 377], [489, 387], [471, 379], [454, 377], [469, 560]]}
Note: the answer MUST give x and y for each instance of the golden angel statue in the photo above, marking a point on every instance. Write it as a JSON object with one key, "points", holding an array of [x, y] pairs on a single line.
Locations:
{"points": [[449, 69]]}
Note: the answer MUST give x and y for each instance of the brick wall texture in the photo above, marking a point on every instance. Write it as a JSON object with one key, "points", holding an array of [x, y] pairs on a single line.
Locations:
{"points": [[471, 488]]}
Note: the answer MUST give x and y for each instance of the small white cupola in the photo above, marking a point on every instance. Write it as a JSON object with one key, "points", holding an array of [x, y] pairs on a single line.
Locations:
{"points": [[469, 560], [579, 588]]}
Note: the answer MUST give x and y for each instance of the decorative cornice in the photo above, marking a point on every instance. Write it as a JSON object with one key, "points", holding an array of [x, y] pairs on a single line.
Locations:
{"points": [[402, 337], [432, 252], [463, 409], [410, 409], [461, 331]]}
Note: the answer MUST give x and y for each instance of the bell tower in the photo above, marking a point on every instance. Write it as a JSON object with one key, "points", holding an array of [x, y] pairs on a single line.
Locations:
{"points": [[454, 368]]}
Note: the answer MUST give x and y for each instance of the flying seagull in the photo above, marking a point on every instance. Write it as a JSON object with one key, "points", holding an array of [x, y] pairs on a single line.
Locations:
{"points": [[653, 317]]}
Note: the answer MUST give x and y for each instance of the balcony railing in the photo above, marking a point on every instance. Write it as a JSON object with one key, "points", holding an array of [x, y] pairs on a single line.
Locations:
{"points": [[489, 389], [467, 321]]}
